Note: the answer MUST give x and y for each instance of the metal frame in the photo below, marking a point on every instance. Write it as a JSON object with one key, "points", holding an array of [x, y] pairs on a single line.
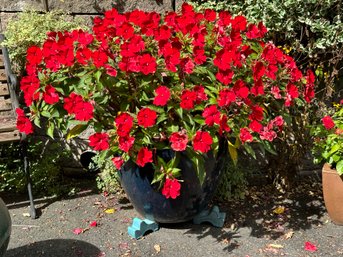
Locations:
{"points": [[13, 84]]}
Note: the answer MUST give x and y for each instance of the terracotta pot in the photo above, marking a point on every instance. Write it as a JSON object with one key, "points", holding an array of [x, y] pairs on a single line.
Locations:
{"points": [[333, 193]]}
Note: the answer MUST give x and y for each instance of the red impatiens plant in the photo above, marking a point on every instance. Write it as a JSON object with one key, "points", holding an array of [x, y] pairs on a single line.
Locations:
{"points": [[146, 82]]}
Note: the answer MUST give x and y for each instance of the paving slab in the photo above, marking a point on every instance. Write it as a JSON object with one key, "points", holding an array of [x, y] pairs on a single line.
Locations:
{"points": [[261, 225]]}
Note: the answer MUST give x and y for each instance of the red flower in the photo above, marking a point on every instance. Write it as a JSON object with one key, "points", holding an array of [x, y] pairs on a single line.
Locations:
{"points": [[84, 111], [211, 115], [255, 126], [200, 94], [24, 124], [187, 65], [240, 89], [257, 113], [111, 70], [210, 15], [118, 162], [144, 156], [226, 97], [202, 141], [83, 55], [328, 122], [146, 117], [100, 58], [188, 99], [292, 91], [225, 77], [276, 92], [147, 64], [125, 143], [124, 123], [171, 188], [93, 224], [178, 141], [99, 141], [245, 135], [223, 126], [258, 71], [269, 135], [256, 31], [71, 101], [258, 88], [162, 95], [34, 55], [310, 247], [50, 96]]}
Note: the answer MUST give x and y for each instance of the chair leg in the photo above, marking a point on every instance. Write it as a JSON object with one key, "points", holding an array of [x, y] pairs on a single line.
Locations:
{"points": [[28, 179]]}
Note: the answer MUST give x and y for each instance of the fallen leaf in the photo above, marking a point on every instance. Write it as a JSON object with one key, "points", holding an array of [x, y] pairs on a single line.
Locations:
{"points": [[110, 211], [310, 247], [26, 214], [93, 224], [277, 246], [123, 246], [289, 234], [279, 210], [77, 231], [157, 248]]}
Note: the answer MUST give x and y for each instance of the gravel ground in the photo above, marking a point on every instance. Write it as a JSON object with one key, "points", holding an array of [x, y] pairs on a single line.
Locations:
{"points": [[266, 223]]}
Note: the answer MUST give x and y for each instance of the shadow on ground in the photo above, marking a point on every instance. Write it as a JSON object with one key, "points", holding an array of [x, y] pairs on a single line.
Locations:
{"points": [[55, 248], [272, 214]]}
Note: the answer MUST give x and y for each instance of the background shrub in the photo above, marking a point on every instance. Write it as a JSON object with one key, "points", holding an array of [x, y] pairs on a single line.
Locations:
{"points": [[44, 165], [30, 28]]}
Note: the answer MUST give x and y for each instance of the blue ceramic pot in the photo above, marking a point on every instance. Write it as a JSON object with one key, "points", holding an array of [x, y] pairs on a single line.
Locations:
{"points": [[150, 203], [5, 227]]}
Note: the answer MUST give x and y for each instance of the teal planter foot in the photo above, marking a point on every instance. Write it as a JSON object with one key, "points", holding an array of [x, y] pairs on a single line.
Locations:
{"points": [[140, 227], [213, 216]]}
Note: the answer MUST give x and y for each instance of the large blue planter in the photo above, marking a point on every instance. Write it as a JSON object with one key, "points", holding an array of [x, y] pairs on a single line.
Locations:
{"points": [[5, 227], [150, 203]]}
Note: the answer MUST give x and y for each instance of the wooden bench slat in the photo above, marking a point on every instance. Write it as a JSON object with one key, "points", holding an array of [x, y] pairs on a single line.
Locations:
{"points": [[4, 90], [3, 76], [8, 123], [9, 136], [5, 104], [2, 63]]}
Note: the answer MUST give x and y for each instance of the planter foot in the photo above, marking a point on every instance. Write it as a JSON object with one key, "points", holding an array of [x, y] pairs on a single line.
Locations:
{"points": [[213, 216], [140, 227]]}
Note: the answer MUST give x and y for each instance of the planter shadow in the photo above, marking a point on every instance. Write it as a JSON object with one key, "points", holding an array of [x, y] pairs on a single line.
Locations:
{"points": [[55, 248]]}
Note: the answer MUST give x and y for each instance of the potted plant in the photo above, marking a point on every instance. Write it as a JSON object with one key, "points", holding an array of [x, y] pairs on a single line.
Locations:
{"points": [[328, 149], [5, 227], [168, 97]]}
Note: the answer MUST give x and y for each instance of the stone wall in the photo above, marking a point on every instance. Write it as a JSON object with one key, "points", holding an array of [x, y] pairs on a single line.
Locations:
{"points": [[88, 8]]}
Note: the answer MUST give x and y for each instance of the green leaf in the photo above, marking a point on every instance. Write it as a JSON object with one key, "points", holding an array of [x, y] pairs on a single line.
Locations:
{"points": [[269, 147], [76, 130], [249, 150], [339, 167], [50, 129], [334, 148], [233, 153]]}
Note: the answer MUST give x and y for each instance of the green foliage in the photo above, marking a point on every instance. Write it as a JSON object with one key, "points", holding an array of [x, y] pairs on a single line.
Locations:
{"points": [[233, 182], [311, 30], [44, 165], [30, 28], [108, 178], [328, 139]]}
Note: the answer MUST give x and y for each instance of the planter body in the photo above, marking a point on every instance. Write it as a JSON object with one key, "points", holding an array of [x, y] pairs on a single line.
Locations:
{"points": [[150, 203], [5, 227], [333, 193]]}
